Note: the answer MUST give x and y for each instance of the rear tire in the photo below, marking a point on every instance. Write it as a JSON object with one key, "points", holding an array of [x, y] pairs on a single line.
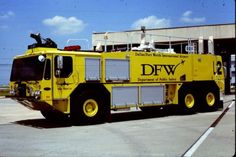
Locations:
{"points": [[87, 108], [209, 100], [188, 100]]}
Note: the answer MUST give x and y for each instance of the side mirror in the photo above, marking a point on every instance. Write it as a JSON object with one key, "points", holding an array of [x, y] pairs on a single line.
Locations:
{"points": [[59, 65], [59, 62]]}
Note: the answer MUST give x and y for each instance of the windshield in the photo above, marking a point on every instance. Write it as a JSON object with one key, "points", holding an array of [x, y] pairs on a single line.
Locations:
{"points": [[26, 69]]}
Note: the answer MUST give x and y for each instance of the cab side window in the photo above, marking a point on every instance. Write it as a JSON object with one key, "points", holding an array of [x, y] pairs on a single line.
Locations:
{"points": [[47, 73], [66, 69]]}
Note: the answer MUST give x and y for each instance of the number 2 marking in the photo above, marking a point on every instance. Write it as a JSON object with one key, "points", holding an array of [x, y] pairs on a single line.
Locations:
{"points": [[219, 65]]}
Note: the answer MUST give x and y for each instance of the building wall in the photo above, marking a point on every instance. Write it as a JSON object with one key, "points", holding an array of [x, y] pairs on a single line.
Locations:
{"points": [[178, 37], [168, 34]]}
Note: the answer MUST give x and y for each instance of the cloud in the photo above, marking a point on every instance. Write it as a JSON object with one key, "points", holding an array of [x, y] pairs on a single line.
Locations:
{"points": [[186, 17], [6, 15], [151, 22], [65, 26]]}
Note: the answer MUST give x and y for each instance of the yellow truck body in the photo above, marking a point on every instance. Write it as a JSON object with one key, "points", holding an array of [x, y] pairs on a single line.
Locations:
{"points": [[86, 86]]}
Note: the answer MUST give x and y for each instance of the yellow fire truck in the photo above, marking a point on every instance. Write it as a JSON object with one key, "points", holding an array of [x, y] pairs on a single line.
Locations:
{"points": [[87, 85]]}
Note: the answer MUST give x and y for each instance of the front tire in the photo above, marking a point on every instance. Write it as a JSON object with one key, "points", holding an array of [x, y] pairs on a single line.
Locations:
{"points": [[87, 108]]}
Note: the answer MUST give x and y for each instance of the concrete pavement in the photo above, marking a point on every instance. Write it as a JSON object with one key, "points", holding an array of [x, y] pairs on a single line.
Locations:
{"points": [[26, 133]]}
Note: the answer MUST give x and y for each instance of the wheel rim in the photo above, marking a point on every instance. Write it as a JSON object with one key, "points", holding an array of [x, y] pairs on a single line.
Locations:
{"points": [[210, 99], [90, 108], [189, 101]]}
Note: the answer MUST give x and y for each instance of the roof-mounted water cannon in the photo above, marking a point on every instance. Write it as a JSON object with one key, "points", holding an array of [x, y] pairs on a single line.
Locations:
{"points": [[37, 37], [41, 42]]}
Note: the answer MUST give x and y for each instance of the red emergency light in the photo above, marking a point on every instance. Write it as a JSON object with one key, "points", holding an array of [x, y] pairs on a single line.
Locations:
{"points": [[72, 48]]}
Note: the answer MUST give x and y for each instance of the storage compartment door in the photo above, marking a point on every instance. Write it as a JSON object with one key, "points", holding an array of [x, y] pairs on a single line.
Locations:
{"points": [[92, 69], [151, 95]]}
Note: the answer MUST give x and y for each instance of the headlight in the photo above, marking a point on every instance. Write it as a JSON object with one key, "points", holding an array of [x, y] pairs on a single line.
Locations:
{"points": [[30, 91], [12, 92], [37, 94]]}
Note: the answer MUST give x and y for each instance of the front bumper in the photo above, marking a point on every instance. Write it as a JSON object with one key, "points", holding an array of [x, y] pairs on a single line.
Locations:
{"points": [[31, 102]]}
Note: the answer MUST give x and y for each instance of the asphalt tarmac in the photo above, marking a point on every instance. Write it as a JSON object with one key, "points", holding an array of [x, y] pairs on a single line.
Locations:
{"points": [[24, 133]]}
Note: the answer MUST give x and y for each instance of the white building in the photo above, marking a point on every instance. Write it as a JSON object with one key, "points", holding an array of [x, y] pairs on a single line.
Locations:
{"points": [[176, 38]]}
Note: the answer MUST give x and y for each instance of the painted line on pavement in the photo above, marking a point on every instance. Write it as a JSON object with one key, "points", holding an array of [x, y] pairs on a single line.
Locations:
{"points": [[201, 139]]}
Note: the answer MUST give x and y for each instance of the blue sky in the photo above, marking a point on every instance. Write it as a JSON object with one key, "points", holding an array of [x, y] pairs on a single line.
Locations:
{"points": [[65, 19]]}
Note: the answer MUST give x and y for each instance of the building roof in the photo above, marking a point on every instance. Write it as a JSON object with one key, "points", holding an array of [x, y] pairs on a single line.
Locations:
{"points": [[218, 31]]}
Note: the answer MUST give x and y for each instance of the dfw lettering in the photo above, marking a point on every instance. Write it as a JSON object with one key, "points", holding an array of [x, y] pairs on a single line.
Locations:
{"points": [[156, 69]]}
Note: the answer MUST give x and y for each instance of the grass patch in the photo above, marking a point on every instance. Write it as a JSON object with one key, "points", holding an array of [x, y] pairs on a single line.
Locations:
{"points": [[4, 91]]}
